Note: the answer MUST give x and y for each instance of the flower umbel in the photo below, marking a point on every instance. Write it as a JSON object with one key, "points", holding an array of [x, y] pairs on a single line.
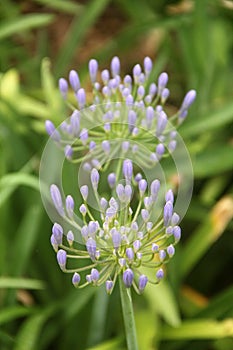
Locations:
{"points": [[122, 239]]}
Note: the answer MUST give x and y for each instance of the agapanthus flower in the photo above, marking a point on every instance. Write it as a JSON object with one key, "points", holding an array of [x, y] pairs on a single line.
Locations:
{"points": [[125, 234], [124, 116]]}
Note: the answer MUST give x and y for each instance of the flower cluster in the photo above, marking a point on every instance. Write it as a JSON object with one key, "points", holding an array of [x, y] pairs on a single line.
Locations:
{"points": [[126, 117], [123, 239]]}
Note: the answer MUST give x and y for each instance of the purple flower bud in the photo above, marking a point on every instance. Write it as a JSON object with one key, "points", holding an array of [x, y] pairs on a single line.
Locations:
{"points": [[160, 274], [128, 276], [51, 131], [137, 71], [57, 231], [95, 275], [148, 65], [128, 193], [76, 279], [95, 177], [149, 116], [161, 123], [132, 117], [75, 123], [88, 278], [134, 226], [115, 66], [74, 80], [63, 87], [70, 206], [93, 68], [109, 286], [177, 233], [81, 97], [169, 230], [172, 145], [136, 245], [120, 190], [116, 238], [93, 227], [92, 145], [145, 215], [164, 95], [162, 254], [162, 82], [112, 180], [141, 78], [142, 282], [61, 258], [154, 247], [175, 219], [129, 253], [188, 100], [148, 202], [106, 146], [54, 243], [149, 225], [170, 250], [154, 189], [96, 163], [138, 177], [152, 89], [105, 76], [160, 149], [87, 167], [68, 151], [167, 213], [128, 169], [83, 209], [84, 231], [129, 100], [103, 203], [91, 247], [141, 91], [125, 146], [70, 237], [84, 192], [122, 262], [57, 200], [169, 196], [84, 136]]}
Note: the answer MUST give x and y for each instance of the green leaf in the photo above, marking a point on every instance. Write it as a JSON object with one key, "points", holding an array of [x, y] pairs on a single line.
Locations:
{"points": [[147, 329], [11, 313], [199, 329], [114, 344], [23, 23], [61, 5], [21, 283]]}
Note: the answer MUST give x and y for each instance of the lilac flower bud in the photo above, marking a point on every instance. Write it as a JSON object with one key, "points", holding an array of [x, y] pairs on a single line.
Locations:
{"points": [[61, 258], [96, 163], [122, 262], [138, 177], [88, 278], [93, 227], [105, 76], [167, 213], [83, 209], [115, 66], [145, 215], [107, 127], [112, 180], [137, 71], [148, 65], [161, 123], [63, 87], [70, 206], [142, 282], [127, 80], [103, 203], [141, 78], [76, 279], [75, 123], [84, 192], [120, 190], [172, 145], [93, 68], [162, 254], [149, 225], [84, 136], [164, 95], [128, 276], [169, 230], [169, 196], [170, 250], [125, 146], [95, 178], [74, 80], [162, 82], [95, 275], [149, 116], [57, 200], [142, 185], [128, 193], [160, 149], [154, 247], [87, 167], [92, 145], [129, 100], [57, 231], [148, 202], [129, 253], [109, 286], [134, 226], [136, 245], [154, 189], [91, 247], [70, 237], [175, 219], [106, 146], [160, 274], [51, 131], [128, 169], [116, 238], [81, 97], [188, 100], [177, 233], [54, 243], [84, 231], [68, 151], [141, 91], [132, 117], [152, 89]]}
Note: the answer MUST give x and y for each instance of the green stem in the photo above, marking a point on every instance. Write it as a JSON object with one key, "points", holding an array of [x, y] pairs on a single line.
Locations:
{"points": [[128, 315]]}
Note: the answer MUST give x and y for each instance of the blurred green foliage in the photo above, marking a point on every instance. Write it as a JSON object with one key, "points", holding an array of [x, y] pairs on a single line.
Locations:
{"points": [[193, 41]]}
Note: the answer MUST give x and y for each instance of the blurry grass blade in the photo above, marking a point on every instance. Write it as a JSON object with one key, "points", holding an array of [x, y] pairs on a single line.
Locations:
{"points": [[114, 344], [209, 121], [199, 329], [26, 22], [11, 313], [76, 34], [209, 231], [21, 283], [9, 84], [147, 329], [61, 5]]}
